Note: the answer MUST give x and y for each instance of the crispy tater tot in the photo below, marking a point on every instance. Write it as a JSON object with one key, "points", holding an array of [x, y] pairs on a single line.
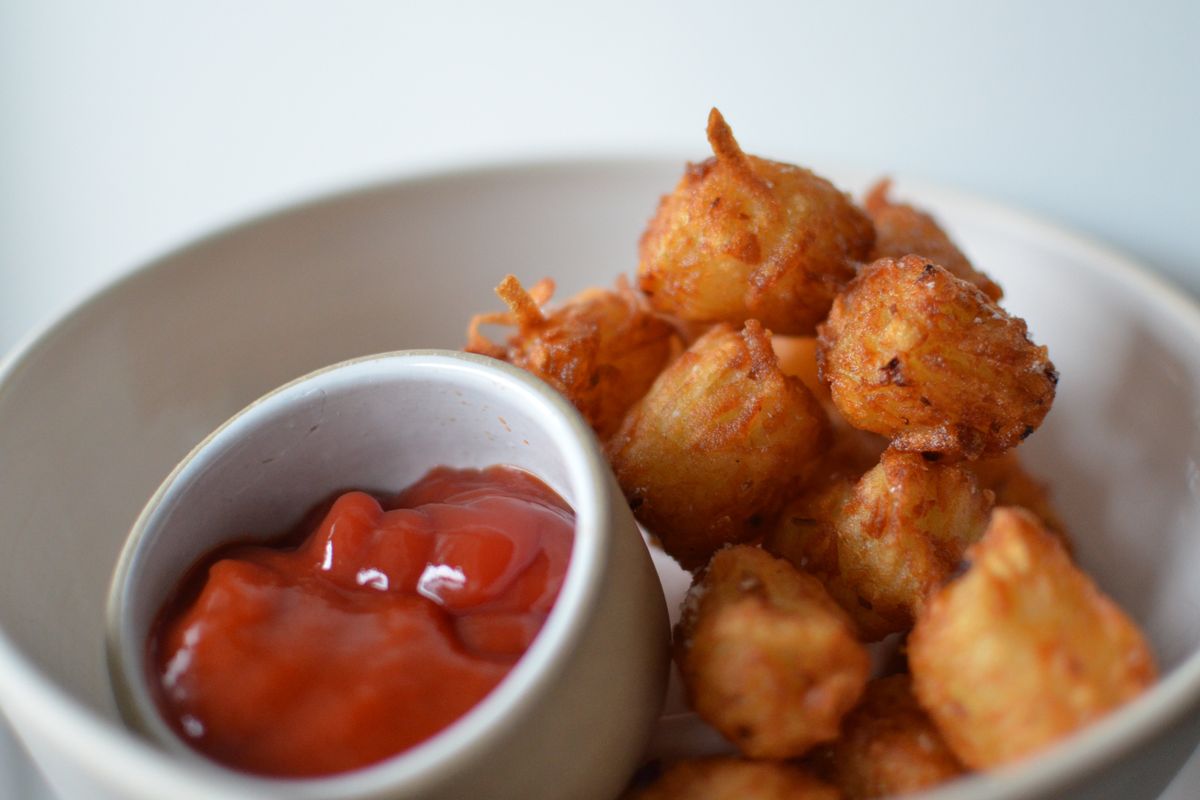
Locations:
{"points": [[806, 536], [881, 545], [1014, 486], [602, 348], [718, 443], [924, 358], [904, 530], [1022, 649], [766, 656], [729, 778], [902, 230], [889, 746], [742, 237]]}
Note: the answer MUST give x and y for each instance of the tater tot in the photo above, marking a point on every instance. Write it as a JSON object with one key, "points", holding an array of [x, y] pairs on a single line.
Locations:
{"points": [[717, 445], [766, 656], [921, 357], [742, 237], [889, 746], [1022, 649], [728, 778], [882, 545], [904, 530], [601, 349], [806, 535], [902, 230]]}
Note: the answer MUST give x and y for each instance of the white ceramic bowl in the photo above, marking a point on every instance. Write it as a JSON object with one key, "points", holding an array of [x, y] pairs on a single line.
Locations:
{"points": [[379, 423], [98, 408]]}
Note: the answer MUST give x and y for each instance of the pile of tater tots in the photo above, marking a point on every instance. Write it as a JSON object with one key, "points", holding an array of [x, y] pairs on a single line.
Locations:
{"points": [[814, 405]]}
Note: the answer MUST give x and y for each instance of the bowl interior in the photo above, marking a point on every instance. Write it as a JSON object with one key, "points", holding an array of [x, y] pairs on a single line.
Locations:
{"points": [[95, 413]]}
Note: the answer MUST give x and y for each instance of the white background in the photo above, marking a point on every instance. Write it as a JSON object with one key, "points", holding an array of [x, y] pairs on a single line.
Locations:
{"points": [[127, 128]]}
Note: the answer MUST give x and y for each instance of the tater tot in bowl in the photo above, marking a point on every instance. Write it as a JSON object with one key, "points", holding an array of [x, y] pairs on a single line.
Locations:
{"points": [[717, 444], [742, 237], [927, 359], [1054, 653], [889, 745], [767, 656]]}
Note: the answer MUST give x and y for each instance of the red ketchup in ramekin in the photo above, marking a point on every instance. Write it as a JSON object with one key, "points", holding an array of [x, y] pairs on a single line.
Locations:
{"points": [[380, 629]]}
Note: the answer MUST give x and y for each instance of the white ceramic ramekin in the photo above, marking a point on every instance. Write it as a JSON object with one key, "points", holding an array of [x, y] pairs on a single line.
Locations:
{"points": [[574, 715]]}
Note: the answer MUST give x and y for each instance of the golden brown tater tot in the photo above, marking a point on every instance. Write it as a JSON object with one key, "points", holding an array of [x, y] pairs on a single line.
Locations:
{"points": [[601, 349], [902, 230], [919, 356], [806, 535], [883, 544], [766, 656], [718, 443], [742, 237], [1022, 649], [889, 746]]}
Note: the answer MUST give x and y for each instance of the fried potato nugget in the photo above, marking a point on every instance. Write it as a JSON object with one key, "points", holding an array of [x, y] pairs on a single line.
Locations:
{"points": [[882, 545], [716, 446], [889, 746], [913, 353], [904, 530], [806, 536], [601, 349], [902, 230], [1022, 649], [742, 237], [766, 656], [728, 778]]}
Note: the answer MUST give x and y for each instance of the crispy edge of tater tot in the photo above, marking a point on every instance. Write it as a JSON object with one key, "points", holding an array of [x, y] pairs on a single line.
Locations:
{"points": [[524, 311], [902, 229], [601, 349], [903, 531], [742, 237]]}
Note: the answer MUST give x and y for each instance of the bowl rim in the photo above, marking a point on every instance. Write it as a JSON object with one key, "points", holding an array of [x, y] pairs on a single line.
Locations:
{"points": [[91, 738], [485, 724]]}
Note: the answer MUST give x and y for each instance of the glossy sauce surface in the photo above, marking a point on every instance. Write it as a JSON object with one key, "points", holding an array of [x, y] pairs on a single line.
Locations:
{"points": [[380, 629]]}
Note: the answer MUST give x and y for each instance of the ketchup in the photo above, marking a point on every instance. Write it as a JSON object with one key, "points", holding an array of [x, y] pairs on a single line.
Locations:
{"points": [[378, 631]]}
